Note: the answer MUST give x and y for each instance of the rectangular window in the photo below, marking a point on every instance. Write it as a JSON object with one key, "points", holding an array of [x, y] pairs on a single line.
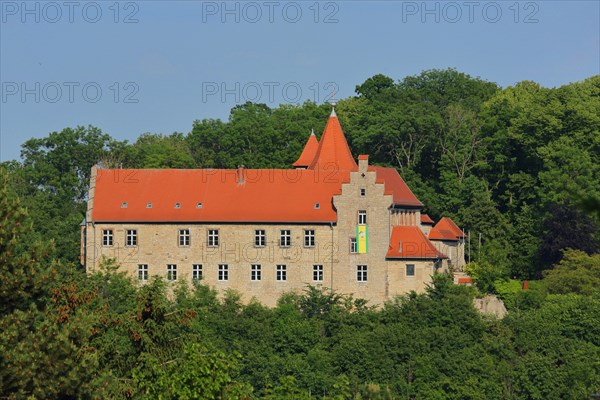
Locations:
{"points": [[255, 272], [223, 272], [281, 273], [361, 273], [260, 238], [410, 269], [309, 238], [213, 237], [286, 238], [131, 237], [317, 273], [184, 237], [142, 272], [353, 246], [362, 217], [171, 272], [107, 237], [197, 272], [363, 192]]}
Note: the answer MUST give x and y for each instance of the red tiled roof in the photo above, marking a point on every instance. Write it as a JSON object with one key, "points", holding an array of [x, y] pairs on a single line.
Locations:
{"points": [[447, 230], [442, 234], [410, 242], [278, 195], [465, 280], [425, 219], [448, 224], [309, 152], [333, 153], [394, 184]]}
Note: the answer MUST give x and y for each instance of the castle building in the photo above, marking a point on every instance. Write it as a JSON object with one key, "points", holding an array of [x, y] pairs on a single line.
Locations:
{"points": [[329, 222]]}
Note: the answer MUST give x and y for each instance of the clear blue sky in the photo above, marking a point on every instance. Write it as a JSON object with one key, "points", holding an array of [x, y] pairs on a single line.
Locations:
{"points": [[175, 57]]}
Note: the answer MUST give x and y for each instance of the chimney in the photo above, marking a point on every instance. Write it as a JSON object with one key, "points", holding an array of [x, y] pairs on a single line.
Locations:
{"points": [[363, 162], [240, 175]]}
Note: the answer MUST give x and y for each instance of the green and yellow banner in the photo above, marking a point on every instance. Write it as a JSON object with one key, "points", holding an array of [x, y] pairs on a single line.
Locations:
{"points": [[362, 239]]}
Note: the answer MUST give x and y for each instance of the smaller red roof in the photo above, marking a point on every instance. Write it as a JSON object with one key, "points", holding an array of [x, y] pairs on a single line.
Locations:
{"points": [[309, 152], [363, 157], [465, 280], [409, 242], [425, 219], [446, 229], [442, 234], [447, 223], [395, 185]]}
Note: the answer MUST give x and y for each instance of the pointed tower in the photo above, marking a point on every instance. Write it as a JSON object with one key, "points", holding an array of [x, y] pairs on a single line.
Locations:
{"points": [[333, 151], [308, 154]]}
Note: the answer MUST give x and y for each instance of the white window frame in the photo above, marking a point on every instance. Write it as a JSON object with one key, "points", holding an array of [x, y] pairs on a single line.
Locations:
{"points": [[413, 270], [196, 272], [260, 238], [131, 237], [309, 238], [362, 217], [142, 272], [318, 273], [184, 238], [171, 272], [213, 238], [281, 273], [255, 272], [285, 239], [353, 246], [362, 273], [107, 237], [223, 275]]}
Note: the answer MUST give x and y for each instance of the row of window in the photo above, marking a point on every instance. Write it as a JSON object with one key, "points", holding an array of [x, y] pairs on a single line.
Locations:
{"points": [[260, 236], [184, 237], [256, 272]]}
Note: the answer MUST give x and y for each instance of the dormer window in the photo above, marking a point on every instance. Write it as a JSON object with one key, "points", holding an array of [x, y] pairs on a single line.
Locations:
{"points": [[199, 205], [177, 205], [317, 206], [149, 204], [124, 204]]}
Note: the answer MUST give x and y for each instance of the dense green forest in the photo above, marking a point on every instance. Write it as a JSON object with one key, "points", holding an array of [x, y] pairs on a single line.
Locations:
{"points": [[517, 167]]}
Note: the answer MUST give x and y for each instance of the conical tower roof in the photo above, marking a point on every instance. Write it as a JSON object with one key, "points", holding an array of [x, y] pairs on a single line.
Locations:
{"points": [[309, 152], [333, 151]]}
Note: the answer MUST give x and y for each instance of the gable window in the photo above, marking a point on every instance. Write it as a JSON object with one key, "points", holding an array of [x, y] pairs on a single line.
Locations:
{"points": [[107, 237], [223, 272], [410, 269], [255, 272], [184, 237], [260, 238], [353, 246], [131, 237], [317, 273], [281, 273], [286, 238], [362, 217], [309, 238], [197, 272], [361, 273], [213, 237], [363, 192], [171, 272], [142, 272]]}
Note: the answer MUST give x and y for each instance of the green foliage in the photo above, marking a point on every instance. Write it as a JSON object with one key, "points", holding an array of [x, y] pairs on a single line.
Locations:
{"points": [[577, 272], [512, 165]]}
